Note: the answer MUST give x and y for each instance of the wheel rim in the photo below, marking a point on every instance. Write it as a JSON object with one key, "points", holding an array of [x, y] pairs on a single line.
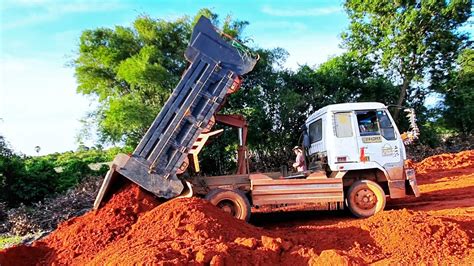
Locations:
{"points": [[230, 207], [365, 199]]}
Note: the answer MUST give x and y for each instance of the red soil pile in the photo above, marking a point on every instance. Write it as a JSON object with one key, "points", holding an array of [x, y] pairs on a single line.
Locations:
{"points": [[22, 255], [390, 236], [446, 161], [192, 231], [406, 236], [129, 229], [80, 239], [185, 231]]}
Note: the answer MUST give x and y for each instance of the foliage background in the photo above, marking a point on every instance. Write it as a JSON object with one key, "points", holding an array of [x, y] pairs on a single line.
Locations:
{"points": [[130, 72], [25, 179]]}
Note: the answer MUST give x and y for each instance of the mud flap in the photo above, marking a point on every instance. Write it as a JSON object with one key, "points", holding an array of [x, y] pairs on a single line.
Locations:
{"points": [[411, 184]]}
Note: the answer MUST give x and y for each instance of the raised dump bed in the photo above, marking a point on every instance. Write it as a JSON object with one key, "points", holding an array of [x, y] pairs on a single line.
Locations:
{"points": [[216, 64]]}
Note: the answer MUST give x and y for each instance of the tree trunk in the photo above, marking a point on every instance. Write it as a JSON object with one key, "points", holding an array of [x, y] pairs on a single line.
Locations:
{"points": [[401, 98]]}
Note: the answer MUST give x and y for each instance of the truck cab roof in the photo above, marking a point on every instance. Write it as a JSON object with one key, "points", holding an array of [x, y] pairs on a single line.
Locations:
{"points": [[341, 107]]}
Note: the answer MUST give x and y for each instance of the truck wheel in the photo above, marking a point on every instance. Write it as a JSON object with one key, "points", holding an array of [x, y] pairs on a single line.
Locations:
{"points": [[233, 202], [365, 198]]}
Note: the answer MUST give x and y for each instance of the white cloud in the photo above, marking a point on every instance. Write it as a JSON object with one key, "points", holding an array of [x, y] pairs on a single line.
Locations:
{"points": [[38, 104], [306, 12], [40, 11], [309, 49], [30, 20]]}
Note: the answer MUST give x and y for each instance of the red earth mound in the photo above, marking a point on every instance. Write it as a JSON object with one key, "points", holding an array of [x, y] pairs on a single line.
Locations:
{"points": [[132, 229], [81, 238], [446, 161], [406, 236], [184, 231]]}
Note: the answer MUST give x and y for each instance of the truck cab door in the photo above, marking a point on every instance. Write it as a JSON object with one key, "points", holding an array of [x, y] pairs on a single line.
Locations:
{"points": [[346, 146]]}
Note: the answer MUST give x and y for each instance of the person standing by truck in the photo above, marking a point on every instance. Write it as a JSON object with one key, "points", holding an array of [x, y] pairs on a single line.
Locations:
{"points": [[299, 164]]}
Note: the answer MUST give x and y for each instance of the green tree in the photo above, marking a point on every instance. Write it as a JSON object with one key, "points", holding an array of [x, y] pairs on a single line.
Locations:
{"points": [[344, 78], [413, 41], [5, 154], [459, 96], [257, 102], [130, 71], [26, 179], [277, 102], [36, 182], [350, 78]]}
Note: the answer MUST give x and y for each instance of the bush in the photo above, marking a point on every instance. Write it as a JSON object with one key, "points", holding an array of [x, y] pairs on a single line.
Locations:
{"points": [[37, 182], [31, 179], [72, 172]]}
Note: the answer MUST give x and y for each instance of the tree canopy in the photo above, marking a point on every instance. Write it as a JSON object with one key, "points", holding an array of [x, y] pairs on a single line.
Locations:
{"points": [[130, 71], [393, 48], [458, 110], [413, 41]]}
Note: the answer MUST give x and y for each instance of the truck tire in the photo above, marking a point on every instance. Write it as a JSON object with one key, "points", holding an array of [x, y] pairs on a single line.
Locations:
{"points": [[233, 202], [365, 198]]}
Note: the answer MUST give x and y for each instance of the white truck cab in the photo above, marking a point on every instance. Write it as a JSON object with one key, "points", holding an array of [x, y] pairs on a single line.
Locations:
{"points": [[362, 141]]}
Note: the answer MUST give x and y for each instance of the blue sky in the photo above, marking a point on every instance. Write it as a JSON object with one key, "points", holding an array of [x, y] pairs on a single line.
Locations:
{"points": [[38, 103]]}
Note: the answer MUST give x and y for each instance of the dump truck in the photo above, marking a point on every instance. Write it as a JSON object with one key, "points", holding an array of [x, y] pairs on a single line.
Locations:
{"points": [[353, 151]]}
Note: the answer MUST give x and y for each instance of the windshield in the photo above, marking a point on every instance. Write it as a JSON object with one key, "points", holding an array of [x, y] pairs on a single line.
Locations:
{"points": [[375, 122], [386, 127]]}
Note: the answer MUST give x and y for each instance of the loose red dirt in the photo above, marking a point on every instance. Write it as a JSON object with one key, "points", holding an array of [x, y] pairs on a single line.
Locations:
{"points": [[132, 228]]}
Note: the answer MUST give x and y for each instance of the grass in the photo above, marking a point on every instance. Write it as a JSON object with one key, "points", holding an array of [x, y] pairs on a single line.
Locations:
{"points": [[8, 241]]}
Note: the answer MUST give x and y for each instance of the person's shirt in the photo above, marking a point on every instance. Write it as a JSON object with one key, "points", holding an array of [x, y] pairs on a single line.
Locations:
{"points": [[299, 164]]}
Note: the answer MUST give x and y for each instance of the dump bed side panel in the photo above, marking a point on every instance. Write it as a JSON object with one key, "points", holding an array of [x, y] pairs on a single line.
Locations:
{"points": [[296, 191]]}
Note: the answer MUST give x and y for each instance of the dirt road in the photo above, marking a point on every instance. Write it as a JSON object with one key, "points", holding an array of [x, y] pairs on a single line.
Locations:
{"points": [[437, 227]]}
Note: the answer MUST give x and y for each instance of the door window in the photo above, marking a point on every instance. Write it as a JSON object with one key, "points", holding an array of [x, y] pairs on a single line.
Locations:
{"points": [[343, 125]]}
